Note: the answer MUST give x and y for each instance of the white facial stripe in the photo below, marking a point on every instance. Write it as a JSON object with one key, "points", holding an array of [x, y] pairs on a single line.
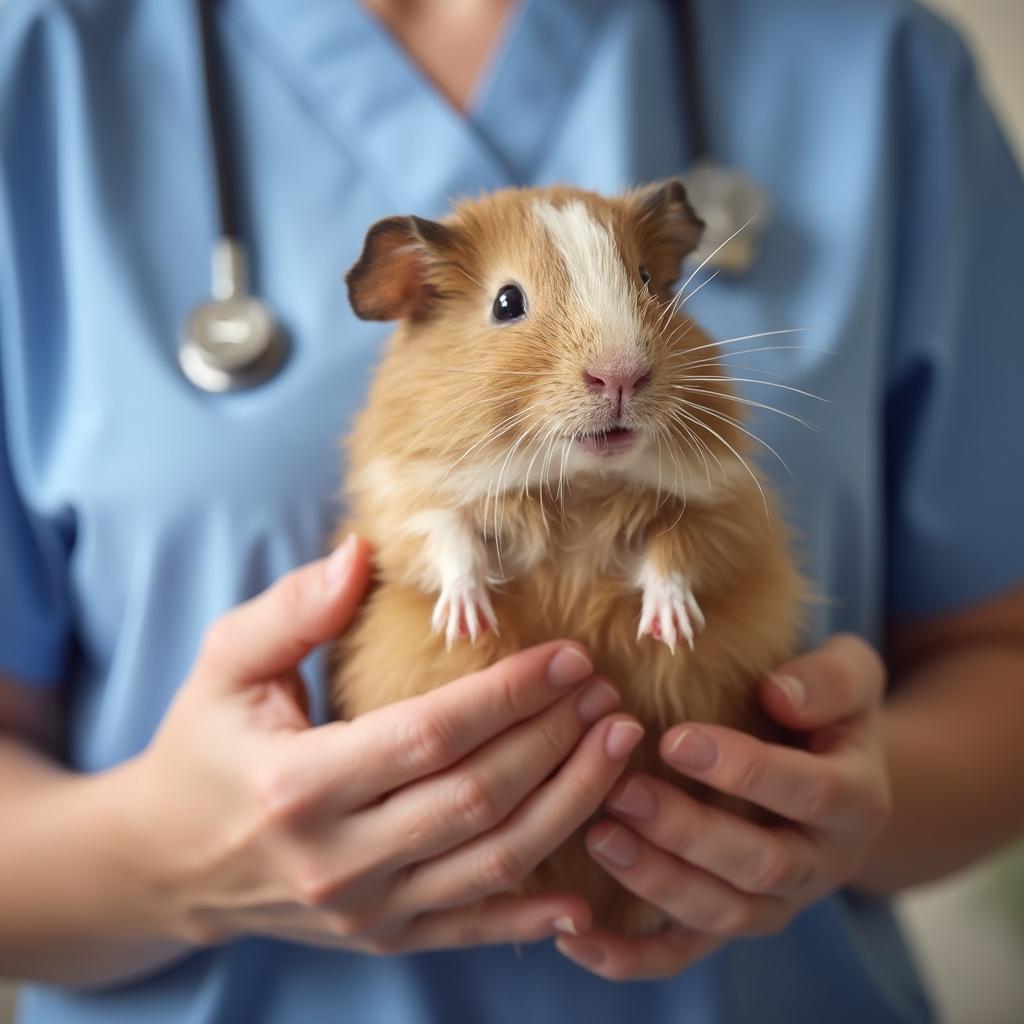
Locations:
{"points": [[598, 279]]}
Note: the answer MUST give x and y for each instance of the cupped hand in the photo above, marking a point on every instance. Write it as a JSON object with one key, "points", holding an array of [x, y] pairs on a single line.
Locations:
{"points": [[718, 875], [400, 830]]}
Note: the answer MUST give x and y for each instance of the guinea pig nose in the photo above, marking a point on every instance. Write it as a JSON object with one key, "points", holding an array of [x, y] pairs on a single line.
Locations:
{"points": [[615, 382]]}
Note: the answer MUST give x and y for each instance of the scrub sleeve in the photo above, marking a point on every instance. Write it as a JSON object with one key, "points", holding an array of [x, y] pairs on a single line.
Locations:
{"points": [[955, 404]]}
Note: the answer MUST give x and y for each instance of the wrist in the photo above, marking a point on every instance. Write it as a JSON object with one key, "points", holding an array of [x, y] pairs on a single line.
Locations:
{"points": [[126, 835], [77, 900]]}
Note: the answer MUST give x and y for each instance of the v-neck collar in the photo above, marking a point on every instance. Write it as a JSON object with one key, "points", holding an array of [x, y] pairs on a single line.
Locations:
{"points": [[377, 103], [532, 77]]}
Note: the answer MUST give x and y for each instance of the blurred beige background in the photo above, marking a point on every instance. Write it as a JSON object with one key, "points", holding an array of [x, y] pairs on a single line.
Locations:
{"points": [[968, 931]]}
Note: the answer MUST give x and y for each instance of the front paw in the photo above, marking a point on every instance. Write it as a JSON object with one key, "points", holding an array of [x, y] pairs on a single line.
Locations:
{"points": [[463, 609], [669, 611]]}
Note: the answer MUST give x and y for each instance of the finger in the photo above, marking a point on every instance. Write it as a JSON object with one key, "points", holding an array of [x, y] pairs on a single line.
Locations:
{"points": [[692, 897], [349, 764], [822, 792], [661, 955], [503, 857], [753, 859], [840, 680], [499, 919], [443, 811], [274, 631]]}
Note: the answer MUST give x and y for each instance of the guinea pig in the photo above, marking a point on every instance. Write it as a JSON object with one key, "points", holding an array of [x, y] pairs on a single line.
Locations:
{"points": [[550, 449]]}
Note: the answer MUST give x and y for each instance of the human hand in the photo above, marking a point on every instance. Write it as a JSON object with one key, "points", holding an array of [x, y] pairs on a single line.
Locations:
{"points": [[720, 876], [382, 834]]}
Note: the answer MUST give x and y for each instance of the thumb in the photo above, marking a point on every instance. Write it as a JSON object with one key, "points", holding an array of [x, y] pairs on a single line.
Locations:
{"points": [[842, 679], [274, 631]]}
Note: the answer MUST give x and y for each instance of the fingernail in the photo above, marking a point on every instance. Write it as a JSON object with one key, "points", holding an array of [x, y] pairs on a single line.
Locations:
{"points": [[621, 739], [792, 687], [566, 925], [617, 847], [598, 699], [636, 801], [583, 952], [568, 666], [693, 750], [339, 563]]}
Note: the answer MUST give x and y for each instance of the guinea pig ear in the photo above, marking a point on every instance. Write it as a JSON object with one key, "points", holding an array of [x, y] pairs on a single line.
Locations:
{"points": [[391, 280], [668, 228]]}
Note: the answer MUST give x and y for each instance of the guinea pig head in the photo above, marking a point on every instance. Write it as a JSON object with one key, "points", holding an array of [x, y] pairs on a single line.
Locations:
{"points": [[542, 338]]}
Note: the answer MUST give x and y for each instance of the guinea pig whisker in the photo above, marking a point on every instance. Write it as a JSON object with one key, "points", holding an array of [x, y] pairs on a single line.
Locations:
{"points": [[676, 485], [681, 296], [483, 392], [682, 510], [546, 468], [697, 445], [542, 439], [431, 429], [469, 277], [545, 471], [657, 493], [767, 348], [509, 423], [539, 441], [665, 316], [501, 427], [498, 492], [749, 402], [767, 383], [504, 453], [719, 364], [683, 418], [678, 333], [732, 421], [671, 310], [746, 337], [753, 476], [566, 449], [484, 396], [661, 433], [714, 253], [720, 358], [686, 298]]}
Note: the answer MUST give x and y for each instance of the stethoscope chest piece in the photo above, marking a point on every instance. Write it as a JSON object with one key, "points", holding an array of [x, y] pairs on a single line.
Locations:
{"points": [[232, 340], [735, 211]]}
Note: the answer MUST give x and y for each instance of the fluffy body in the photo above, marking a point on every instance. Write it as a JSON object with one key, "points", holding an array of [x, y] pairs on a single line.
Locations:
{"points": [[502, 515]]}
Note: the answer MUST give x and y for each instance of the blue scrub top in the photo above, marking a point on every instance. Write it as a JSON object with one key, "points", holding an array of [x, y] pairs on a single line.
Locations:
{"points": [[134, 510]]}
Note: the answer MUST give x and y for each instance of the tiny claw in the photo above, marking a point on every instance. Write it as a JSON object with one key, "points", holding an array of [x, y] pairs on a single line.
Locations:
{"points": [[669, 611], [463, 609]]}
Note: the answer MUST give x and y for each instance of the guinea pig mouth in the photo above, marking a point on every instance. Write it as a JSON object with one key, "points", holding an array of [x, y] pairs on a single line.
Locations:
{"points": [[609, 442]]}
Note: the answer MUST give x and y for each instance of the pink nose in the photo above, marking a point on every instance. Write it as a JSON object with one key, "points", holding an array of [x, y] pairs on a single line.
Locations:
{"points": [[615, 383]]}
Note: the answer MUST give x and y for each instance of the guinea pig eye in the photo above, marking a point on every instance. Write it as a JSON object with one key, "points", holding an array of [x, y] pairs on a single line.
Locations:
{"points": [[509, 303], [645, 275]]}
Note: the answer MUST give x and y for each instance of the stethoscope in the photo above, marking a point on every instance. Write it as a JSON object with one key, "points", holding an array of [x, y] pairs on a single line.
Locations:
{"points": [[233, 340]]}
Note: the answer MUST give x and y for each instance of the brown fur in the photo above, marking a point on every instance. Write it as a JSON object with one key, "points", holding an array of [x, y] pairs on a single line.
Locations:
{"points": [[568, 554]]}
